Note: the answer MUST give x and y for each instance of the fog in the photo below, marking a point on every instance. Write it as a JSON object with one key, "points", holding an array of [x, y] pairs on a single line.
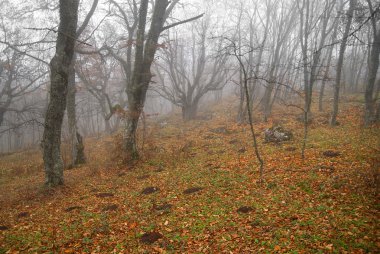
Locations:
{"points": [[286, 47]]}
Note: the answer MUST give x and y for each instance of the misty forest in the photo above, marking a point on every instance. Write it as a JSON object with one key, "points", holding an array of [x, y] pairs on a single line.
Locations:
{"points": [[189, 126]]}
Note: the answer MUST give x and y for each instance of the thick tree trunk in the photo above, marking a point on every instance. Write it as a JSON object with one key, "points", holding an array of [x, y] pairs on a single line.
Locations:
{"points": [[59, 67], [135, 103], [189, 112], [343, 45]]}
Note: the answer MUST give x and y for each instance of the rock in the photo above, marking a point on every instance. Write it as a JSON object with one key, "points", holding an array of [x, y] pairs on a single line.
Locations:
{"points": [[324, 168], [143, 177], [112, 207], [163, 124], [163, 207], [205, 117], [301, 118], [2, 227], [159, 169], [192, 190], [208, 137], [151, 237], [149, 190], [331, 153], [233, 141], [245, 209], [72, 208], [277, 134], [220, 130], [104, 195], [23, 215]]}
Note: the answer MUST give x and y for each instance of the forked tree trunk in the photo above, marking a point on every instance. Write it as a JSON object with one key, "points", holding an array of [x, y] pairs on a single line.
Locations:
{"points": [[141, 76], [59, 68]]}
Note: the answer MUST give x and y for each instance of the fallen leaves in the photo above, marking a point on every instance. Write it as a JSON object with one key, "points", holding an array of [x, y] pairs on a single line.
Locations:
{"points": [[320, 204]]}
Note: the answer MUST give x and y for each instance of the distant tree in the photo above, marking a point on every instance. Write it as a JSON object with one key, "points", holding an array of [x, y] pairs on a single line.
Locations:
{"points": [[186, 73], [343, 45], [95, 73], [22, 72], [326, 69], [282, 23], [373, 66], [311, 24], [16, 81], [59, 76], [76, 140]]}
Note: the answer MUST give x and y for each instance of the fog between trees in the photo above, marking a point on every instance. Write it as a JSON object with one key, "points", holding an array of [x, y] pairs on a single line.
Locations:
{"points": [[123, 59]]}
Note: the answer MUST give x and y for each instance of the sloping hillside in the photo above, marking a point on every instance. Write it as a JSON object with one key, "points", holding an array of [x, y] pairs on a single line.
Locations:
{"points": [[196, 190]]}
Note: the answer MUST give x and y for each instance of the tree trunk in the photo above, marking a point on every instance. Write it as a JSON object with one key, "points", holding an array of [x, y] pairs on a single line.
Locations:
{"points": [[189, 112], [325, 78], [372, 71], [266, 101], [144, 56], [59, 68], [130, 142], [241, 116], [343, 45], [76, 140]]}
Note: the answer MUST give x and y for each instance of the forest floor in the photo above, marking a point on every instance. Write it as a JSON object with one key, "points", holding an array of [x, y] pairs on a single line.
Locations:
{"points": [[196, 190]]}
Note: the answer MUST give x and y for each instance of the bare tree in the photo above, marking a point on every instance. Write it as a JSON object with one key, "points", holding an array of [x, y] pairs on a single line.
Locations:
{"points": [[76, 140], [343, 45], [146, 46], [59, 67], [232, 49], [373, 65], [308, 20], [16, 81], [186, 74], [95, 72], [281, 30]]}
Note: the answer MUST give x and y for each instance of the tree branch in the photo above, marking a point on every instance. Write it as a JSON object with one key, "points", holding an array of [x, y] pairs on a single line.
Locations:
{"points": [[181, 22]]}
